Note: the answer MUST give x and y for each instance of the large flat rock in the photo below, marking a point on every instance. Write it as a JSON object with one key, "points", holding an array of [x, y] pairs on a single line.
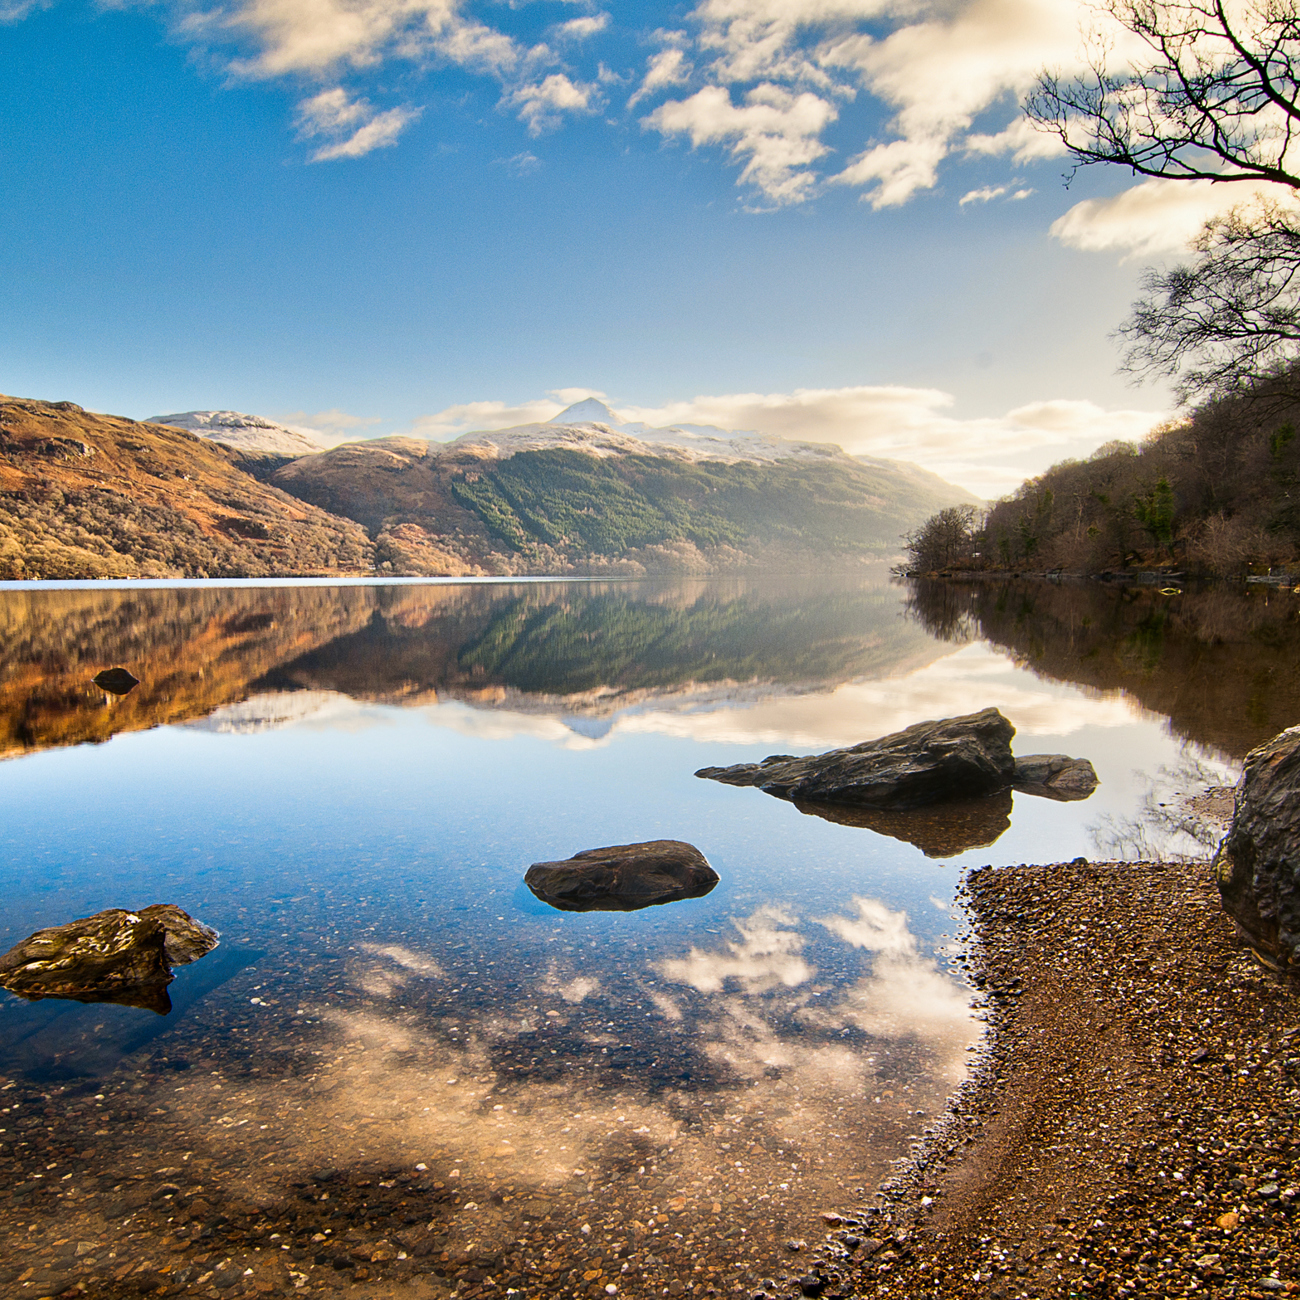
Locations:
{"points": [[928, 763], [623, 877]]}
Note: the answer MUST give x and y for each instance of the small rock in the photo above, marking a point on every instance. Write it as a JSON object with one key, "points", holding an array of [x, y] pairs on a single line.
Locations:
{"points": [[113, 956], [623, 877], [116, 681]]}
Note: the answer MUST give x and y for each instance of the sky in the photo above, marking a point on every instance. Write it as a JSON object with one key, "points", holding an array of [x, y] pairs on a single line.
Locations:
{"points": [[818, 218]]}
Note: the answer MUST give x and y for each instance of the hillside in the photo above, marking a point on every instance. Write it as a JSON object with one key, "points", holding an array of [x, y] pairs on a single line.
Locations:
{"points": [[1217, 494], [85, 496], [557, 509], [91, 496], [243, 432]]}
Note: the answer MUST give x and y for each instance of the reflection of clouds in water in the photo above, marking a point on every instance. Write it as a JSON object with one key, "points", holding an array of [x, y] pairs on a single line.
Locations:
{"points": [[906, 995], [572, 991], [1171, 824], [380, 980], [415, 962], [974, 676], [875, 928], [767, 957]]}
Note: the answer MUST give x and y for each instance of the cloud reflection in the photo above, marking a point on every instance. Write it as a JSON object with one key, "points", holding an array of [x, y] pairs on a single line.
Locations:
{"points": [[767, 957]]}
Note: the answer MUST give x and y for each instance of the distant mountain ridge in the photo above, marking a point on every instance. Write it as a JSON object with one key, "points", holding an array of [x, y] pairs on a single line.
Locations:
{"points": [[592, 427], [244, 432], [85, 495]]}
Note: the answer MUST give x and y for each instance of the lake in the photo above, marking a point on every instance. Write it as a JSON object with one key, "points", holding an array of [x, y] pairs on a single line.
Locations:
{"points": [[402, 1073]]}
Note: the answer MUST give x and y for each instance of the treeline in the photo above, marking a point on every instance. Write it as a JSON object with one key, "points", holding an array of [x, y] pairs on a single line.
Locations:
{"points": [[1217, 494]]}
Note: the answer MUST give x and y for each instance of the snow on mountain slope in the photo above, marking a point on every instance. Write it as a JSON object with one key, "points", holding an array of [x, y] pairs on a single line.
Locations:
{"points": [[244, 432], [590, 426]]}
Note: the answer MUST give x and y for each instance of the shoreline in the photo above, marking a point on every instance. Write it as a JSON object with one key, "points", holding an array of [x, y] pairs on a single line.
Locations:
{"points": [[1130, 1128]]}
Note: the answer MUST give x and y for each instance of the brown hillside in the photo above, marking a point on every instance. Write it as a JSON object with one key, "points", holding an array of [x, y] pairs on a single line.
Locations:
{"points": [[99, 496]]}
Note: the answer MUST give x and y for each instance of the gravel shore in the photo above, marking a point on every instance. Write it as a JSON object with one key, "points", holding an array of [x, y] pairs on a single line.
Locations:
{"points": [[1133, 1128]]}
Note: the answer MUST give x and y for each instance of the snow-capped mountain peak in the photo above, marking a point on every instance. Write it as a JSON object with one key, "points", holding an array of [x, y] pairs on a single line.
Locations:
{"points": [[591, 410], [245, 432]]}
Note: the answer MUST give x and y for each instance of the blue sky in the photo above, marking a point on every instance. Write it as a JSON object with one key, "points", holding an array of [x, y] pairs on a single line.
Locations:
{"points": [[819, 217]]}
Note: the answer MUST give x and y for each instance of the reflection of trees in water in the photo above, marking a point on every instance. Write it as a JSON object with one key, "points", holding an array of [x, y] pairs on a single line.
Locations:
{"points": [[1170, 825], [1219, 664], [570, 640]]}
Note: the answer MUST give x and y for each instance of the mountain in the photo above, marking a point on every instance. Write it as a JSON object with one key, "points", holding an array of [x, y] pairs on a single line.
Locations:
{"points": [[98, 496], [590, 426], [244, 432], [85, 495], [588, 498]]}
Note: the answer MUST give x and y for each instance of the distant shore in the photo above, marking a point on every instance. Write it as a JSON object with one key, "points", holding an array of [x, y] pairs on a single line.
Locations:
{"points": [[1133, 1127]]}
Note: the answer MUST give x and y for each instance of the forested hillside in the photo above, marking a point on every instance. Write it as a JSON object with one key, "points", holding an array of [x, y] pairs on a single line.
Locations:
{"points": [[1217, 493], [557, 511]]}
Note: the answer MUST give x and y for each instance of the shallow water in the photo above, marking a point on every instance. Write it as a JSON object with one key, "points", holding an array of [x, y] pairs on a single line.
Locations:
{"points": [[396, 1046]]}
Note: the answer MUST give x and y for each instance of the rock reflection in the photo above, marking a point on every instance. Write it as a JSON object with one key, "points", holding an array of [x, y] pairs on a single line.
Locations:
{"points": [[942, 831]]}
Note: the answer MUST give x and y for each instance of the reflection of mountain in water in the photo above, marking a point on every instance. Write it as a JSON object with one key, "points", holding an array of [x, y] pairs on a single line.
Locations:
{"points": [[1221, 664], [581, 652], [193, 649], [586, 653]]}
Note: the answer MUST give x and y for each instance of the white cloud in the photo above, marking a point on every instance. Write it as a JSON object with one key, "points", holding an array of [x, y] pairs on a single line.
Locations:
{"points": [[14, 11], [982, 453], [986, 194], [579, 29], [328, 427], [543, 104], [775, 131], [522, 164], [452, 421], [353, 125], [1155, 216], [667, 68]]}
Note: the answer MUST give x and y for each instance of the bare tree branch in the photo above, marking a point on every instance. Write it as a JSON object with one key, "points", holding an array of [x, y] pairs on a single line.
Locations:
{"points": [[1230, 319], [1216, 99]]}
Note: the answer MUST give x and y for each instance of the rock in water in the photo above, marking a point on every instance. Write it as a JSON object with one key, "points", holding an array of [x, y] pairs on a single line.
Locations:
{"points": [[113, 956], [116, 681], [623, 877], [1258, 864], [930, 762], [1055, 776]]}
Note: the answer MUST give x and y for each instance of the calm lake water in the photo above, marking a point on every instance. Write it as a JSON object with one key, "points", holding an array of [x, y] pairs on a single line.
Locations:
{"points": [[400, 1073]]}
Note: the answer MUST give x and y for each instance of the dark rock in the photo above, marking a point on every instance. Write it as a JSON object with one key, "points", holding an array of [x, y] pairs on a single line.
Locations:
{"points": [[623, 877], [1055, 776], [113, 956], [928, 763], [116, 681], [942, 831], [1258, 863]]}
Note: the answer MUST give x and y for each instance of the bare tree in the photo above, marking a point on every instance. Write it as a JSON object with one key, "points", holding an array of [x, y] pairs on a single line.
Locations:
{"points": [[1210, 95], [1213, 99], [1229, 318], [943, 540]]}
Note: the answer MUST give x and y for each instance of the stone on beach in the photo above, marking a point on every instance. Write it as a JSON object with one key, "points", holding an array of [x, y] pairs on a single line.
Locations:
{"points": [[113, 956], [623, 877], [1257, 865], [927, 763], [116, 681]]}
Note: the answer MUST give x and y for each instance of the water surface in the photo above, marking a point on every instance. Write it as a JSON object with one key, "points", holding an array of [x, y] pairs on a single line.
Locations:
{"points": [[397, 1047]]}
